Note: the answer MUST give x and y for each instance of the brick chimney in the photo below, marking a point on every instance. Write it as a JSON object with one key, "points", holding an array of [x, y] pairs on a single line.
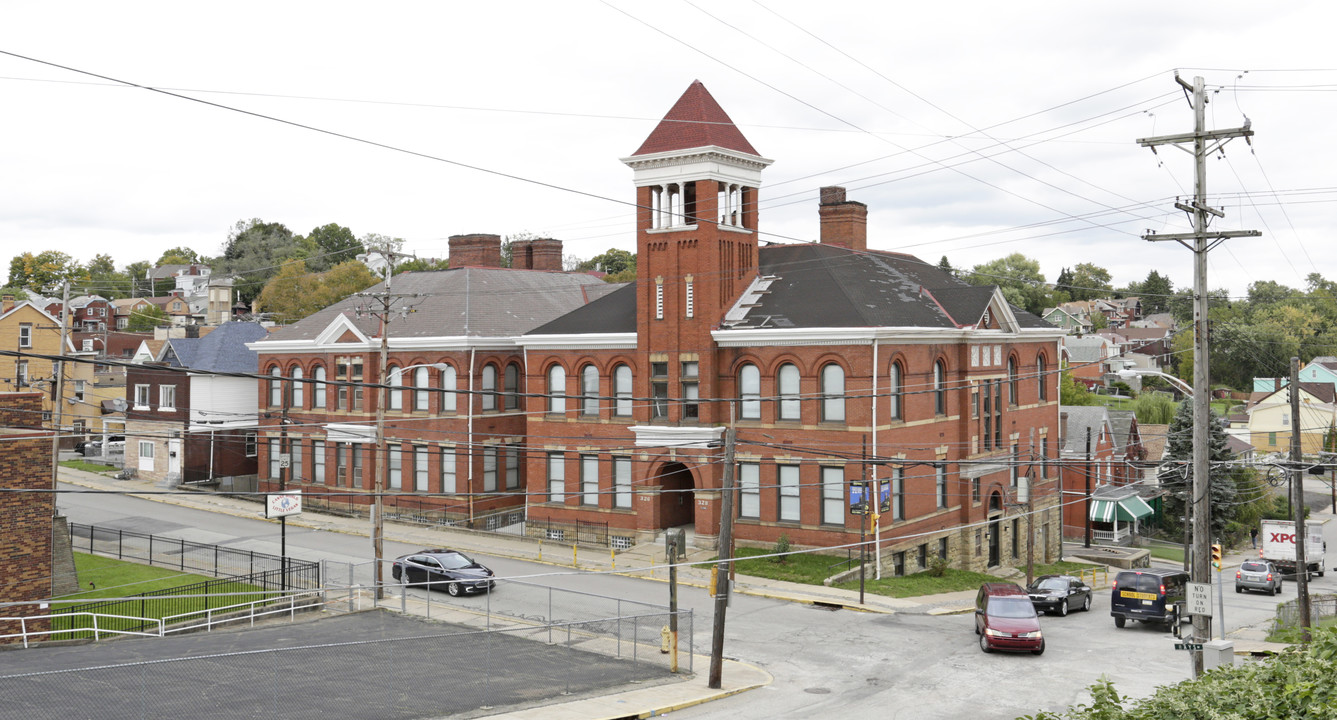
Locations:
{"points": [[844, 222], [476, 250], [6, 303], [538, 254]]}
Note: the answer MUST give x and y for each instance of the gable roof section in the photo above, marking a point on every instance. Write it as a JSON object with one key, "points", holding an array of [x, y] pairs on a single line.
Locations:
{"points": [[696, 120], [1122, 424], [1154, 439], [463, 302], [1079, 418], [612, 313]]}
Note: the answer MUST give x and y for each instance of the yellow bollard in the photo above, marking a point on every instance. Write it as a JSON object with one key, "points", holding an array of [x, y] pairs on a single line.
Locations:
{"points": [[665, 640], [714, 578], [574, 563], [612, 558], [540, 550]]}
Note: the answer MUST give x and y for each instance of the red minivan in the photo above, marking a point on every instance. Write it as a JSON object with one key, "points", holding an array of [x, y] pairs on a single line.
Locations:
{"points": [[1005, 619]]}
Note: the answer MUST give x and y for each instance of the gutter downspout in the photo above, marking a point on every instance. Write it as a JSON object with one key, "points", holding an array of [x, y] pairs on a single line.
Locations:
{"points": [[469, 480], [876, 504]]}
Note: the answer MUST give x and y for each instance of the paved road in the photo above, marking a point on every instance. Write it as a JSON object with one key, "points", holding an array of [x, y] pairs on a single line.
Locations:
{"points": [[903, 665]]}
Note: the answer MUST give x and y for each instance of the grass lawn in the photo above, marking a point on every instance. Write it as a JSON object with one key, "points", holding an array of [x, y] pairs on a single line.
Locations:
{"points": [[807, 568], [108, 578], [922, 583], [88, 466], [1293, 636]]}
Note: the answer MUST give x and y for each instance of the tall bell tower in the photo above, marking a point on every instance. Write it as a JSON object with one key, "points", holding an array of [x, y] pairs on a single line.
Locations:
{"points": [[696, 180]]}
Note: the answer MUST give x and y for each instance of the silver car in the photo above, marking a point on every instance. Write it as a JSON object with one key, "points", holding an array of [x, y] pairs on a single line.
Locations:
{"points": [[1258, 575]]}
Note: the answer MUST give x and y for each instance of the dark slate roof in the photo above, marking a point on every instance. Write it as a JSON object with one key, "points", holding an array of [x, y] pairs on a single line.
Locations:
{"points": [[612, 313], [470, 301], [696, 120], [1238, 446], [224, 349], [825, 286], [820, 285], [181, 351]]}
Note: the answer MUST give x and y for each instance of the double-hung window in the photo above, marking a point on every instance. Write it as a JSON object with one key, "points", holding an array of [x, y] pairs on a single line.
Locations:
{"points": [[789, 493], [833, 496], [589, 480], [749, 490]]}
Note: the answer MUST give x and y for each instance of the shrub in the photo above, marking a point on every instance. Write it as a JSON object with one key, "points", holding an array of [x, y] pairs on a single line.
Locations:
{"points": [[937, 567], [781, 546]]}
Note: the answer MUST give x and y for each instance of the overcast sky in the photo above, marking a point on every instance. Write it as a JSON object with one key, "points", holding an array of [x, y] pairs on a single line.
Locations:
{"points": [[971, 130]]}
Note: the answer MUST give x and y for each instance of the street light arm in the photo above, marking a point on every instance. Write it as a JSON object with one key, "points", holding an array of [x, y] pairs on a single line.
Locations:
{"points": [[1176, 382]]}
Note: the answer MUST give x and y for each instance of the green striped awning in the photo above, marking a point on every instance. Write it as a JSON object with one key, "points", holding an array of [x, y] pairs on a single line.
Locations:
{"points": [[1126, 509]]}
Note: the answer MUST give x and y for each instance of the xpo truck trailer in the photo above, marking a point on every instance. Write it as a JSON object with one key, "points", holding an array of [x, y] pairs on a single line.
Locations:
{"points": [[1278, 538]]}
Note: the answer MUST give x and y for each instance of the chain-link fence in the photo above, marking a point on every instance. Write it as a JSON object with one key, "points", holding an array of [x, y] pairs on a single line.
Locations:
{"points": [[1321, 607]]}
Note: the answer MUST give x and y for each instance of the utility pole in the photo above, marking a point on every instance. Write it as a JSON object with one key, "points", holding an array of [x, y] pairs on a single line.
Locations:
{"points": [[1030, 515], [1087, 511], [726, 560], [285, 470], [1197, 144], [382, 456], [58, 404], [1298, 503]]}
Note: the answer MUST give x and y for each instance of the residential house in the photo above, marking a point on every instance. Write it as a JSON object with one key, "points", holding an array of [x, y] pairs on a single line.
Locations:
{"points": [[28, 328], [1087, 455], [127, 308], [177, 308], [205, 418], [1090, 358], [90, 313], [1160, 320], [612, 412], [1066, 320], [1271, 424], [1147, 348]]}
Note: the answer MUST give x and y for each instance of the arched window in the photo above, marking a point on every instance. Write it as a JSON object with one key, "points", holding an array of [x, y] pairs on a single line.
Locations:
{"points": [[489, 389], [940, 388], [396, 381], [275, 387], [298, 389], [448, 389], [511, 387], [1013, 392], [833, 393], [556, 390], [788, 380], [589, 390], [749, 391], [421, 385], [622, 391], [1040, 378], [896, 396], [318, 389]]}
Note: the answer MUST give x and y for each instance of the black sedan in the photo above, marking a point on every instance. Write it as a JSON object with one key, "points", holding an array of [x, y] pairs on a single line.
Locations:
{"points": [[450, 568], [1059, 594]]}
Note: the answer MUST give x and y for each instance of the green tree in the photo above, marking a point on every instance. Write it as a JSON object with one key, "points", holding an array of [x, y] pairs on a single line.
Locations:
{"points": [[946, 267], [145, 319], [179, 256], [330, 245], [1071, 392], [1088, 282], [1155, 293], [254, 252], [19, 293], [612, 262], [1018, 277], [1178, 481], [104, 280]]}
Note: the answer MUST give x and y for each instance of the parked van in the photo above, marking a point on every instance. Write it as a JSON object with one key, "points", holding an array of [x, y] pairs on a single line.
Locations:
{"points": [[1005, 619], [1149, 595]]}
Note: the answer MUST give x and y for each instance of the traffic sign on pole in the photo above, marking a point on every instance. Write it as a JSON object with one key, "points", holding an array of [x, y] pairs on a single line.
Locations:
{"points": [[1200, 599]]}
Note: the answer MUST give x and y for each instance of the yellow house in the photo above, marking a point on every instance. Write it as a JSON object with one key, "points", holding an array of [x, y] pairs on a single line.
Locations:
{"points": [[1270, 421], [28, 329]]}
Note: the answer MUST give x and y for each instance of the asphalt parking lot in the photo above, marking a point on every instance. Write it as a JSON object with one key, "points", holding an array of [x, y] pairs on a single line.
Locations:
{"points": [[374, 664]]}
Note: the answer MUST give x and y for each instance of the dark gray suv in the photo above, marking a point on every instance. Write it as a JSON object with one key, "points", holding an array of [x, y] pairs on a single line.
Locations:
{"points": [[1258, 575]]}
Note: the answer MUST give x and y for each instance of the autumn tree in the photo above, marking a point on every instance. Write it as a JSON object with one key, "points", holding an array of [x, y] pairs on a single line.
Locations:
{"points": [[254, 252], [145, 319], [294, 293], [44, 269]]}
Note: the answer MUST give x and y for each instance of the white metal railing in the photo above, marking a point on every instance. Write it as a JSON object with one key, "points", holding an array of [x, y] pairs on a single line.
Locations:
{"points": [[1115, 535], [207, 620]]}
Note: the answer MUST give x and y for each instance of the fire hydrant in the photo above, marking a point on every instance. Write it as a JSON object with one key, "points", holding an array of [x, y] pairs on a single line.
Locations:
{"points": [[665, 640]]}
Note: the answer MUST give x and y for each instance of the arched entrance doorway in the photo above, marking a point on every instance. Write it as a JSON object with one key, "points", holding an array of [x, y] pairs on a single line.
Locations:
{"points": [[676, 502]]}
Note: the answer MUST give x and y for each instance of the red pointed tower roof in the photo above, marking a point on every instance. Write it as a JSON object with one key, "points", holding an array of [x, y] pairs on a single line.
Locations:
{"points": [[696, 120]]}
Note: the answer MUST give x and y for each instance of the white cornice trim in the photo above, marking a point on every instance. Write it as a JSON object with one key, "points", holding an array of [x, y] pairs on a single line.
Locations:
{"points": [[579, 341], [443, 344], [676, 437], [860, 336]]}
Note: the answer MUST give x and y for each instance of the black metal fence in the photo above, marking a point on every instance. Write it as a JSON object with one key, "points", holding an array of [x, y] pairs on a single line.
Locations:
{"points": [[139, 613], [577, 532], [274, 571]]}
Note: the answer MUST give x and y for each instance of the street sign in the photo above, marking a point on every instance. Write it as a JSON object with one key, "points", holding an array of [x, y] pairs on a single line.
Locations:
{"points": [[285, 460], [283, 504], [1188, 646], [1200, 599]]}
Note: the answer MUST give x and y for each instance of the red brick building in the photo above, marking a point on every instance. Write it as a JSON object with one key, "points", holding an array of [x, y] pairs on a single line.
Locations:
{"points": [[836, 363], [26, 524]]}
